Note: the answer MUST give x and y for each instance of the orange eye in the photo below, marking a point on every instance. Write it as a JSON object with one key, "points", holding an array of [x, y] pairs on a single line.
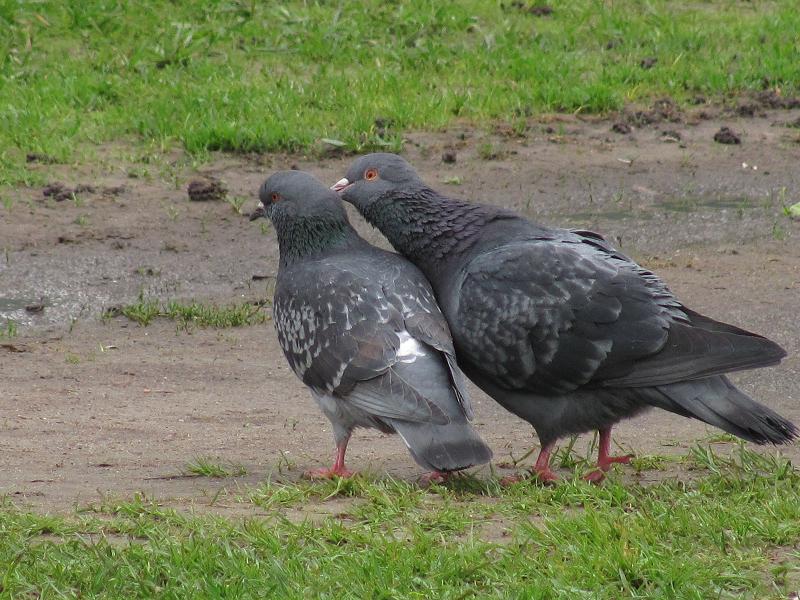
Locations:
{"points": [[275, 196], [371, 174]]}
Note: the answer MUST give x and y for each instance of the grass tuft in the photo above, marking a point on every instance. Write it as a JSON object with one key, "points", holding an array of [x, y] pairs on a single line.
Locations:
{"points": [[10, 330], [193, 314], [207, 467]]}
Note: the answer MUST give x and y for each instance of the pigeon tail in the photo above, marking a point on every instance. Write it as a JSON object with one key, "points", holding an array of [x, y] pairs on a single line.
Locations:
{"points": [[716, 401], [450, 447]]}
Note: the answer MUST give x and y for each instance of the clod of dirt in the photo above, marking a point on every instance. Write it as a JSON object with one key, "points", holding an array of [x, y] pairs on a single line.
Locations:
{"points": [[449, 157], [726, 135], [383, 126], [36, 157], [746, 110], [670, 135], [772, 99], [35, 308], [537, 10], [114, 190], [540, 11], [621, 127], [201, 190], [57, 191], [663, 110], [14, 348], [60, 192], [648, 63]]}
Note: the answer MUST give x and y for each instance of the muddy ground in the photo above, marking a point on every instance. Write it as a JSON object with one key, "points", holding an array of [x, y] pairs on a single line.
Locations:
{"points": [[90, 408]]}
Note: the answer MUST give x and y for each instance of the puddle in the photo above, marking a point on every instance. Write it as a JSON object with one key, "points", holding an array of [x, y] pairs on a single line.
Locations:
{"points": [[16, 304], [693, 204]]}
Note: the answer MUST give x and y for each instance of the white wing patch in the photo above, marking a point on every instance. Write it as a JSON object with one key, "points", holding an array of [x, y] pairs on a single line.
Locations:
{"points": [[409, 348]]}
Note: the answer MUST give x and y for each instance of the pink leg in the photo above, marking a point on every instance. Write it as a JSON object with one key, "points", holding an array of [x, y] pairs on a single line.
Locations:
{"points": [[337, 470], [541, 470], [604, 459]]}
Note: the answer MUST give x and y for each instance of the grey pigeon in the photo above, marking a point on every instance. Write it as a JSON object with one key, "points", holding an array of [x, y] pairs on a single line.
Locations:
{"points": [[559, 327], [361, 328]]}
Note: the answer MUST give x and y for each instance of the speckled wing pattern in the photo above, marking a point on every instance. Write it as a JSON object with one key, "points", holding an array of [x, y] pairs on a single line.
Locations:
{"points": [[553, 314], [344, 334]]}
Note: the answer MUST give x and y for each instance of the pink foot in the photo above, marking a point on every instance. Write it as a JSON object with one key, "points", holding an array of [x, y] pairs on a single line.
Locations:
{"points": [[545, 476], [328, 473], [511, 480], [595, 476], [540, 471], [604, 459], [605, 462], [434, 477]]}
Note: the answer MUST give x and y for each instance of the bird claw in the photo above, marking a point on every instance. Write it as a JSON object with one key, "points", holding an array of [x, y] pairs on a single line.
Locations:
{"points": [[606, 462], [595, 476], [328, 473], [434, 477], [544, 476], [604, 466]]}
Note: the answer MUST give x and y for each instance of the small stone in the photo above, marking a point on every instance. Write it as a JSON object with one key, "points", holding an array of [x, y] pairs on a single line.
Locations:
{"points": [[449, 157], [670, 135]]}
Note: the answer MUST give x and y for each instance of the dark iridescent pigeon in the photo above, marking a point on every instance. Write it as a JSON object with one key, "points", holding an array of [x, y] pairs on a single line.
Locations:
{"points": [[559, 327], [361, 328]]}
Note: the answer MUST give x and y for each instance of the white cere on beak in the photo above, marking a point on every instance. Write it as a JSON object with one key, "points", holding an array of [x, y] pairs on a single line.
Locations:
{"points": [[340, 185]]}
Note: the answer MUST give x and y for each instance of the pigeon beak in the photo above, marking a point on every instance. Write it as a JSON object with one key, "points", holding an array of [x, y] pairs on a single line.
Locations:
{"points": [[258, 212], [341, 185]]}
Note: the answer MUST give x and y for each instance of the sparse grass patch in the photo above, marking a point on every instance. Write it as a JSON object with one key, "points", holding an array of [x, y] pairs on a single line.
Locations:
{"points": [[10, 329], [193, 314], [207, 467], [733, 532], [237, 202]]}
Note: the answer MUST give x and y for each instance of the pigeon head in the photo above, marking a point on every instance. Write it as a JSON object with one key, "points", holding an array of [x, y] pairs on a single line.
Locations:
{"points": [[307, 216], [295, 195], [375, 175]]}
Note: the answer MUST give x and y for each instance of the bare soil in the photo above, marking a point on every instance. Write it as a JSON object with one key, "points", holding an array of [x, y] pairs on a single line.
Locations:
{"points": [[91, 408]]}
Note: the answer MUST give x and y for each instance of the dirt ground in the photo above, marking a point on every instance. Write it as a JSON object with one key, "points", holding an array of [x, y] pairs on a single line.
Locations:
{"points": [[90, 408]]}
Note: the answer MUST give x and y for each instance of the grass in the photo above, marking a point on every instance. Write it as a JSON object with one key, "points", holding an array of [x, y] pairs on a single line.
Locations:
{"points": [[244, 76], [192, 314], [732, 532], [207, 467], [9, 330]]}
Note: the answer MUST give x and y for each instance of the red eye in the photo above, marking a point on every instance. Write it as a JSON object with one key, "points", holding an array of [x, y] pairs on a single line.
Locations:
{"points": [[275, 196], [371, 174]]}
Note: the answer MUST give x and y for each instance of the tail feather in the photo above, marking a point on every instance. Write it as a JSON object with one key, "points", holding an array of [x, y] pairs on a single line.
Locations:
{"points": [[450, 447], [716, 401]]}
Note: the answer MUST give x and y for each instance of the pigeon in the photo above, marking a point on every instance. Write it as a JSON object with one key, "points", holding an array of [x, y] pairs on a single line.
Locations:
{"points": [[361, 329], [558, 326]]}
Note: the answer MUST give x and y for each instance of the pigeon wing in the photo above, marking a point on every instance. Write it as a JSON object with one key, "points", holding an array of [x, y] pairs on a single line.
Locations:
{"points": [[341, 337], [411, 294], [553, 314]]}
